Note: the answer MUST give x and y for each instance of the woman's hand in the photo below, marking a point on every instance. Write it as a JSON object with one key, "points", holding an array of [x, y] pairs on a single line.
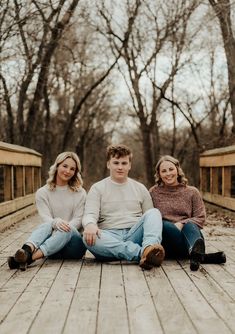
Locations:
{"points": [[63, 226], [179, 226], [90, 233]]}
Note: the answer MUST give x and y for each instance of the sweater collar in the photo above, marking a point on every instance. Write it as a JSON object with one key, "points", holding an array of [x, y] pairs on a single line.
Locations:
{"points": [[172, 188]]}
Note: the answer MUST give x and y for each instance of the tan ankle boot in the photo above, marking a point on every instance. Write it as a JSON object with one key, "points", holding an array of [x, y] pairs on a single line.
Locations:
{"points": [[152, 256]]}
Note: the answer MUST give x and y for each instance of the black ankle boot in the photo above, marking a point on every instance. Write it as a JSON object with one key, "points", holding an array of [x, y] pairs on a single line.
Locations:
{"points": [[217, 258], [197, 253], [24, 256], [12, 264]]}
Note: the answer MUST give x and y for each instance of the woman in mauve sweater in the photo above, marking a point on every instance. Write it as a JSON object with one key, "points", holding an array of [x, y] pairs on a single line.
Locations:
{"points": [[183, 214], [60, 204]]}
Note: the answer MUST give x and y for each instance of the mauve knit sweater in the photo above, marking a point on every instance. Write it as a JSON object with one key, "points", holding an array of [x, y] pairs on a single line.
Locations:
{"points": [[179, 203]]}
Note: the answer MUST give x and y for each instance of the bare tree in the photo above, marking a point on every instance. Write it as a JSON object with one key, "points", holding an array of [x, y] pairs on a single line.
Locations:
{"points": [[36, 31], [10, 119], [46, 51], [154, 29], [5, 94], [46, 42], [223, 9]]}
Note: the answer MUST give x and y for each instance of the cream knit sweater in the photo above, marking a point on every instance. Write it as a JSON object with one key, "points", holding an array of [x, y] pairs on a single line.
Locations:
{"points": [[61, 203]]}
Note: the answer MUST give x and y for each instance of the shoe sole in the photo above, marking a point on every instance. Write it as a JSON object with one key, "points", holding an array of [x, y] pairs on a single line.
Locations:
{"points": [[222, 258], [21, 258], [23, 266], [194, 265], [153, 259]]}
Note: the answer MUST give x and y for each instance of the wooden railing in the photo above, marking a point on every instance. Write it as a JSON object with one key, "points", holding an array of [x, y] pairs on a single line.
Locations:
{"points": [[20, 177], [217, 176]]}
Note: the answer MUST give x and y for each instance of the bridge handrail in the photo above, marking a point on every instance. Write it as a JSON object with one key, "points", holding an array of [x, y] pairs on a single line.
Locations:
{"points": [[217, 176], [20, 177]]}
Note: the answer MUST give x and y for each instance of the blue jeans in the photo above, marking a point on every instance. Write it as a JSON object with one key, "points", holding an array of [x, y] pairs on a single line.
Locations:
{"points": [[129, 243], [57, 244], [178, 243]]}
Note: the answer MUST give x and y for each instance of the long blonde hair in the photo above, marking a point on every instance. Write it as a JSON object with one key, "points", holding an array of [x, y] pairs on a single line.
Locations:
{"points": [[76, 181], [180, 178]]}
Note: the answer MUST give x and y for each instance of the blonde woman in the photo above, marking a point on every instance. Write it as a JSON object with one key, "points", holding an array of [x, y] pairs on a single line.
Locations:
{"points": [[60, 204], [183, 213]]}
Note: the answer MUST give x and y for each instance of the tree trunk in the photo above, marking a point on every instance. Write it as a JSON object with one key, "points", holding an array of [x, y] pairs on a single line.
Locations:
{"points": [[34, 110], [147, 148], [222, 9], [10, 119]]}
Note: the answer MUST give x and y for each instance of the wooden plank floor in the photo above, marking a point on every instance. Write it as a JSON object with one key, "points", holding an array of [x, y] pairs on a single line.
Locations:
{"points": [[88, 297]]}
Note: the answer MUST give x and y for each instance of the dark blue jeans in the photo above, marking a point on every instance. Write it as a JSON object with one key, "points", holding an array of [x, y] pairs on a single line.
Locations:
{"points": [[178, 243], [74, 249]]}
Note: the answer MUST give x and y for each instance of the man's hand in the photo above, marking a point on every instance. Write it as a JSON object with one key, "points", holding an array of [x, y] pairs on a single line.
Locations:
{"points": [[90, 233]]}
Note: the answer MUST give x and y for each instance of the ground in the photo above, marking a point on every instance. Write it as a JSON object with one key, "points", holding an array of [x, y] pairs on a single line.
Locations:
{"points": [[218, 216], [88, 297]]}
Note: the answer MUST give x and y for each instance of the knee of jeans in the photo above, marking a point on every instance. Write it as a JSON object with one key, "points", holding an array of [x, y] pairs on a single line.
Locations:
{"points": [[155, 213], [74, 230], [192, 226], [66, 235], [46, 225], [94, 246], [71, 233]]}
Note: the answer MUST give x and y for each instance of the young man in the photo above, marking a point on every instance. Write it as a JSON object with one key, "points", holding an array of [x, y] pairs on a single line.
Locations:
{"points": [[120, 222]]}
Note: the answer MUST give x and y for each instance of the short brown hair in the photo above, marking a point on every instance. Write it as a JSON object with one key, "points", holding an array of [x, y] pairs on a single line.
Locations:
{"points": [[118, 151]]}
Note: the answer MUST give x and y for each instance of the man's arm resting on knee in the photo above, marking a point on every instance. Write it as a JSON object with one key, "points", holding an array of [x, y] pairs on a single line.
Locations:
{"points": [[91, 231], [91, 216]]}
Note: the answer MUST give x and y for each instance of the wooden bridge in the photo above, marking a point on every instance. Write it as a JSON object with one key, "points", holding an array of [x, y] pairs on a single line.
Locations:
{"points": [[20, 177], [85, 296], [217, 175]]}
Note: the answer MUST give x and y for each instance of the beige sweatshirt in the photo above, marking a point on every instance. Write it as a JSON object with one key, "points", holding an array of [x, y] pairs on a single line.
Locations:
{"points": [[116, 206]]}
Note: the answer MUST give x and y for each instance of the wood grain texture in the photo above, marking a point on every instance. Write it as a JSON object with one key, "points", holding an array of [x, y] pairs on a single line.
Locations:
{"points": [[89, 297]]}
